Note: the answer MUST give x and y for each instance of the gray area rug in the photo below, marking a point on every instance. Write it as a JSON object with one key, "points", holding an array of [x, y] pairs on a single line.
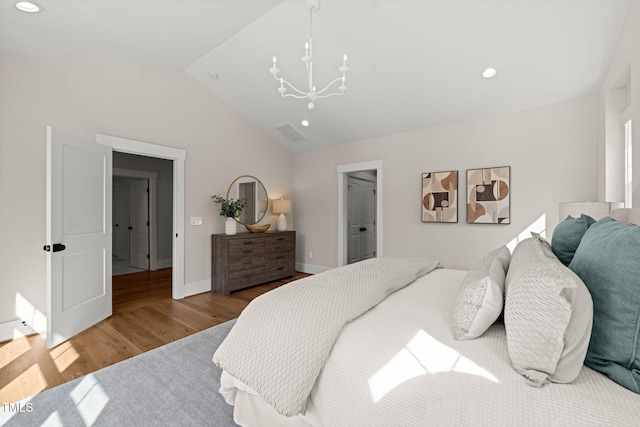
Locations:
{"points": [[173, 385]]}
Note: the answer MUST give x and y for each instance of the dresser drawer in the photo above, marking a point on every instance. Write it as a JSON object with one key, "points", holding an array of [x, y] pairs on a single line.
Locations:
{"points": [[247, 277], [246, 248], [278, 271], [280, 243], [277, 257], [246, 261]]}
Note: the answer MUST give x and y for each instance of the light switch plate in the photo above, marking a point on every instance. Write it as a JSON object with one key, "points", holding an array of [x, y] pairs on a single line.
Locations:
{"points": [[196, 220]]}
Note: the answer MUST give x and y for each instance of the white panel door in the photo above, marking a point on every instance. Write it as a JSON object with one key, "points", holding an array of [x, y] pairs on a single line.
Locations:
{"points": [[139, 223], [78, 235], [354, 220], [115, 217], [368, 220], [361, 217]]}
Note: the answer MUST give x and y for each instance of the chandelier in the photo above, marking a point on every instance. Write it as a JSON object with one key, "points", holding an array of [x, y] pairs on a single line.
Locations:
{"points": [[312, 93]]}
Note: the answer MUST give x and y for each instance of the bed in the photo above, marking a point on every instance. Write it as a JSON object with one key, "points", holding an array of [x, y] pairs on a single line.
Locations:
{"points": [[409, 355]]}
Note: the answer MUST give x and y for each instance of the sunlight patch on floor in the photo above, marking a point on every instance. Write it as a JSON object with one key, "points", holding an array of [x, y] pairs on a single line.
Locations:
{"points": [[422, 355], [12, 350], [27, 383], [90, 399], [53, 420], [64, 355]]}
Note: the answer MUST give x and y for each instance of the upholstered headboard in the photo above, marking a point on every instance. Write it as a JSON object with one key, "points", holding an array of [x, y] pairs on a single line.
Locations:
{"points": [[627, 215]]}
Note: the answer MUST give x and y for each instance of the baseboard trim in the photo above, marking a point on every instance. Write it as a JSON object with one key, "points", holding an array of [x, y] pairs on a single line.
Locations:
{"points": [[14, 329], [311, 269], [163, 263]]}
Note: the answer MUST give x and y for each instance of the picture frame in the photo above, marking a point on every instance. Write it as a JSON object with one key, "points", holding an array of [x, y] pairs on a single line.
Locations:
{"points": [[440, 196], [489, 195]]}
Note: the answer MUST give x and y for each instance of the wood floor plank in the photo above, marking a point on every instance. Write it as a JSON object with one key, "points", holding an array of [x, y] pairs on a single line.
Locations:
{"points": [[140, 336], [144, 317]]}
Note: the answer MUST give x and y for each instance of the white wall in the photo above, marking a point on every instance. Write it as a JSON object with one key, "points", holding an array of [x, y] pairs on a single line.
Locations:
{"points": [[624, 68], [551, 151], [159, 106]]}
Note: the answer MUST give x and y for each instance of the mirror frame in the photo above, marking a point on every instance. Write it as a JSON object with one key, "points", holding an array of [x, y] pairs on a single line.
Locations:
{"points": [[266, 208]]}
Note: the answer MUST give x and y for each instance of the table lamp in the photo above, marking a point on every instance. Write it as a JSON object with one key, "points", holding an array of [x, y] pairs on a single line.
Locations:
{"points": [[282, 207]]}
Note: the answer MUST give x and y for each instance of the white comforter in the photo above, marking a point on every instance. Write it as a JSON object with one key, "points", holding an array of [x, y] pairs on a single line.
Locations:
{"points": [[398, 365], [281, 340]]}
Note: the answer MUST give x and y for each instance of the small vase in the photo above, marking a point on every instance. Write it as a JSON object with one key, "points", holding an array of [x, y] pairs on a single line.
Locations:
{"points": [[230, 226]]}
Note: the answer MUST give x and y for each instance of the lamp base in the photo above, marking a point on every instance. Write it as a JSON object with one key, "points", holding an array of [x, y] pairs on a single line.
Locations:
{"points": [[282, 222]]}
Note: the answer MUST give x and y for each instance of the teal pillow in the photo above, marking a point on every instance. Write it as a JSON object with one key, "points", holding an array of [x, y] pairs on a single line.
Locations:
{"points": [[567, 236], [608, 262]]}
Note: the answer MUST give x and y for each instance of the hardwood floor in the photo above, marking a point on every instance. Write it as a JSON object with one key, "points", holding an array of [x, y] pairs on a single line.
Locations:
{"points": [[144, 317]]}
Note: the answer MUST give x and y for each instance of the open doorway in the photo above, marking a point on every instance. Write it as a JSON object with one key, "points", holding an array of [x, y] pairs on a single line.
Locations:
{"points": [[366, 240], [142, 213], [361, 215], [177, 158]]}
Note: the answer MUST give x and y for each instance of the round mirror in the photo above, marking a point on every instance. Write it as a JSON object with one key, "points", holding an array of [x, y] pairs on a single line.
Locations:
{"points": [[252, 190]]}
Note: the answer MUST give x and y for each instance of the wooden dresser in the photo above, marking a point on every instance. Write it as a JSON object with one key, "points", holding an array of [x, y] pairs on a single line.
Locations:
{"points": [[247, 259]]}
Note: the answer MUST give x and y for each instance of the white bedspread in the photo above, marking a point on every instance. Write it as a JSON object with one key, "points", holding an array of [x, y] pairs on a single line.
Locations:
{"points": [[282, 339], [398, 365]]}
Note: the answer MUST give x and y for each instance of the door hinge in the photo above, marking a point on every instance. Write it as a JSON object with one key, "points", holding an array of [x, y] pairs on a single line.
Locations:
{"points": [[147, 256]]}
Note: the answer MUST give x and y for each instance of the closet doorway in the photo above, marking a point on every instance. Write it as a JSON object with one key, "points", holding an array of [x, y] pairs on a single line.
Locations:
{"points": [[368, 246], [142, 213], [361, 216]]}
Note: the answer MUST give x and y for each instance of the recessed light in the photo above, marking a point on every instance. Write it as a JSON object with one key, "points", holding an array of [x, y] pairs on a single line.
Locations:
{"points": [[305, 123], [489, 72], [213, 75], [29, 7]]}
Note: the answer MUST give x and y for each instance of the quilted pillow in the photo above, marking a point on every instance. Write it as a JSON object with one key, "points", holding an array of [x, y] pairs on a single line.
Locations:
{"points": [[481, 295], [608, 261], [567, 236], [548, 313]]}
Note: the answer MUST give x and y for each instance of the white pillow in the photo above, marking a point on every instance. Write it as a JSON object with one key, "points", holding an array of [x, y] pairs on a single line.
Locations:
{"points": [[481, 295], [548, 315]]}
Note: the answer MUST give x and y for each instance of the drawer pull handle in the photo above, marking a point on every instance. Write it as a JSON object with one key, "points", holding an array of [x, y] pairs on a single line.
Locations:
{"points": [[247, 243], [248, 251], [280, 268], [280, 239], [280, 257]]}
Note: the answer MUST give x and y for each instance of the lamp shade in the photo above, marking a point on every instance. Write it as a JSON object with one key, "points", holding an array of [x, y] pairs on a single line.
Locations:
{"points": [[281, 206], [595, 210]]}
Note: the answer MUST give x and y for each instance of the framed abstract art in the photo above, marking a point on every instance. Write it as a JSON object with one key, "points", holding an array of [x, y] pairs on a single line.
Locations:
{"points": [[488, 196], [440, 196]]}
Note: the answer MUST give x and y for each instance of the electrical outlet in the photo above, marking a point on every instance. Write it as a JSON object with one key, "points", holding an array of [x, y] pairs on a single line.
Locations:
{"points": [[196, 220], [309, 254]]}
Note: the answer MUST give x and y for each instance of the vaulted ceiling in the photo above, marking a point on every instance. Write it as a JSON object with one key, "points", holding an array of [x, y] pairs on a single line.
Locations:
{"points": [[413, 63]]}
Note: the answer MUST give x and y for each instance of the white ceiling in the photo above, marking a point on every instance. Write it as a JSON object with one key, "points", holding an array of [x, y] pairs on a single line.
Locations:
{"points": [[413, 63]]}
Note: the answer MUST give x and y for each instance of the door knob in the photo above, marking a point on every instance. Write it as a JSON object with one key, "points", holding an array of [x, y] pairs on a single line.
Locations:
{"points": [[57, 247], [129, 228], [363, 228]]}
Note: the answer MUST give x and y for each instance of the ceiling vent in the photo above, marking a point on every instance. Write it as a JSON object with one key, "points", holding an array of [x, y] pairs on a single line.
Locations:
{"points": [[291, 133]]}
